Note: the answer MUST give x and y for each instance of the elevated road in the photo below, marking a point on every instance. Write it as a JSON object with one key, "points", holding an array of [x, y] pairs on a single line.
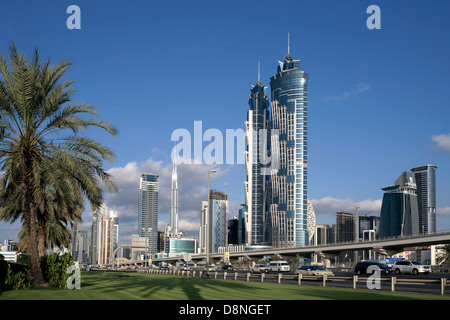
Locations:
{"points": [[387, 246]]}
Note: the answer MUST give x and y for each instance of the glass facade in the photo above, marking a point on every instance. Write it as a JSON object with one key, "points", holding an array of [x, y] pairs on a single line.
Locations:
{"points": [[257, 158], [148, 211], [217, 220], [399, 214], [289, 184], [426, 197]]}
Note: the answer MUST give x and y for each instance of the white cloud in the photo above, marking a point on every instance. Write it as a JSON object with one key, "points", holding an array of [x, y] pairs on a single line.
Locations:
{"points": [[442, 142], [192, 190], [360, 88], [327, 205], [444, 211]]}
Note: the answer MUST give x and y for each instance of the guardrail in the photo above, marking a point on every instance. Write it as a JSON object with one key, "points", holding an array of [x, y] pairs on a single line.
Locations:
{"points": [[290, 278]]}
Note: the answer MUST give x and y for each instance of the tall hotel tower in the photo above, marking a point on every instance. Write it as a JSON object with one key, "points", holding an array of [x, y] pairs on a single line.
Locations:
{"points": [[257, 128], [426, 197], [289, 205], [148, 211]]}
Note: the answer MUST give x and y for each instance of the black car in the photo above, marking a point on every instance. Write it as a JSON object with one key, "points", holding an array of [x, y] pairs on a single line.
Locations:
{"points": [[361, 267], [227, 267]]}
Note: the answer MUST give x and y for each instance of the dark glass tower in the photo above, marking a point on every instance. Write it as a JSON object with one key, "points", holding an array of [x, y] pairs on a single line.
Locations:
{"points": [[426, 197], [399, 214], [257, 129], [289, 108]]}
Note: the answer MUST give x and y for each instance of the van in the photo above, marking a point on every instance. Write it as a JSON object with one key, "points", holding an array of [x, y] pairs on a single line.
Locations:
{"points": [[275, 266]]}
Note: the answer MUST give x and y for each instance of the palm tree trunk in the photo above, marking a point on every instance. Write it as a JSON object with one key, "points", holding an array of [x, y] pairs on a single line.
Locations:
{"points": [[29, 215], [41, 234]]}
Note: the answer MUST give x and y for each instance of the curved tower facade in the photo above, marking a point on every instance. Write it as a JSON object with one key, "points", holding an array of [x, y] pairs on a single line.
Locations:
{"points": [[257, 129], [289, 106]]}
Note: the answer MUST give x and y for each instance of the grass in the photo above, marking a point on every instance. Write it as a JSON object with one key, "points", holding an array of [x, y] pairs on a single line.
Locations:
{"points": [[136, 286]]}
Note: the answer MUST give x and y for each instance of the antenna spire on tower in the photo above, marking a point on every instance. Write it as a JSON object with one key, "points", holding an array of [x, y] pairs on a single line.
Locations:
{"points": [[259, 71], [288, 44]]}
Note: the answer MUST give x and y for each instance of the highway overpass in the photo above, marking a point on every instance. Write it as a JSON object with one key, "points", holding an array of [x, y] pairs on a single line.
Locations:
{"points": [[387, 246]]}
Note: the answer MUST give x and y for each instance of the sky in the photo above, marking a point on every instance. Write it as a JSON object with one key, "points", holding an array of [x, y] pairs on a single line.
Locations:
{"points": [[377, 98]]}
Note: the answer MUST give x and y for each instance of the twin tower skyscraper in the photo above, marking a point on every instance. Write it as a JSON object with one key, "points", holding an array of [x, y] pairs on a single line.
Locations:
{"points": [[276, 158]]}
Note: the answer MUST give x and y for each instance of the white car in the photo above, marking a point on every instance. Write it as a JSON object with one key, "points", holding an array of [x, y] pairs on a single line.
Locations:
{"points": [[414, 267], [279, 266], [261, 268], [313, 271]]}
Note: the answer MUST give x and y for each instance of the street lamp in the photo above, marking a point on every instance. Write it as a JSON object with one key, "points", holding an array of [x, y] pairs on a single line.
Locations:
{"points": [[207, 224]]}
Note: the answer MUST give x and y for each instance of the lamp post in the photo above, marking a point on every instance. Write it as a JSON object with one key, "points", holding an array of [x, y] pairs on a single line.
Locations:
{"points": [[207, 224]]}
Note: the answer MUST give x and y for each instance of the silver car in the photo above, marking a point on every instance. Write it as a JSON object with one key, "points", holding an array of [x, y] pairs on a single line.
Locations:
{"points": [[414, 267]]}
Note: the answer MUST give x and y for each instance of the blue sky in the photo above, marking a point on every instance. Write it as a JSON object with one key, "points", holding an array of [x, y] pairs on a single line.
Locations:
{"points": [[377, 99]]}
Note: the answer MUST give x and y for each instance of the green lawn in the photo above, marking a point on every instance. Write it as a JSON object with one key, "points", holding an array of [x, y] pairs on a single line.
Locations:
{"points": [[136, 286]]}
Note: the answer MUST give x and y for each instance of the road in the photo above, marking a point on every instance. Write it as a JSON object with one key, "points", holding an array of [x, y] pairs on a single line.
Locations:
{"points": [[429, 284]]}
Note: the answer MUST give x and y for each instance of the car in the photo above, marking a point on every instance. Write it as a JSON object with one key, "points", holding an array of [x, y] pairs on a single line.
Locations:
{"points": [[185, 267], [406, 266], [363, 267], [261, 268], [279, 266], [227, 267], [314, 270], [212, 267]]}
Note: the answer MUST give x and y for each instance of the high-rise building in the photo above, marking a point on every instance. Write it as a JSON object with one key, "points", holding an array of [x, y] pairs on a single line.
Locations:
{"points": [[367, 223], [289, 204], [426, 197], [217, 220], [345, 227], [104, 235], [148, 211], [202, 228], [172, 228], [257, 157], [399, 214]]}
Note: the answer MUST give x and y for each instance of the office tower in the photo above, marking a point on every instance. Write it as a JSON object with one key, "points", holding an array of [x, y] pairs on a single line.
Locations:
{"points": [[148, 211], [80, 244], [289, 145], [257, 160], [242, 218], [172, 229], [399, 214], [366, 224], [426, 197], [114, 215], [138, 254], [233, 227], [202, 228], [104, 224], [217, 220], [345, 227], [83, 246], [322, 234]]}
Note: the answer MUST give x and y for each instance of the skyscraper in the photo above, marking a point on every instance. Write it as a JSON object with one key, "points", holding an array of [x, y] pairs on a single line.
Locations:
{"points": [[289, 183], [257, 128], [399, 214], [104, 235], [426, 197], [148, 211], [217, 220]]}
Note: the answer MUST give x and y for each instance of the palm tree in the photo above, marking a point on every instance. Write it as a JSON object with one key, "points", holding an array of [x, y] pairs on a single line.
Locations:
{"points": [[41, 142]]}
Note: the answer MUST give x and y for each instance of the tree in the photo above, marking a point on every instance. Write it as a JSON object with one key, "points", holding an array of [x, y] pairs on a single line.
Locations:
{"points": [[42, 144]]}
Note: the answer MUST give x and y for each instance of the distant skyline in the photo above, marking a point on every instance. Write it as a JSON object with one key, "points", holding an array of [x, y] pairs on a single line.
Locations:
{"points": [[378, 99]]}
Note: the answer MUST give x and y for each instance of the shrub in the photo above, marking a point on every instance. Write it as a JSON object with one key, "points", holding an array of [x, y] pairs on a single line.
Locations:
{"points": [[54, 268], [17, 280], [11, 269]]}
